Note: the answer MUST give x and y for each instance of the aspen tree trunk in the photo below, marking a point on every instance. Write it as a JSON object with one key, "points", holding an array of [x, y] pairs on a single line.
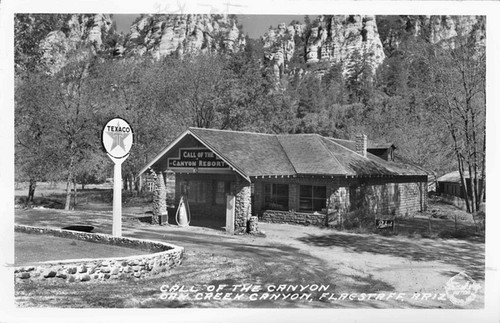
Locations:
{"points": [[74, 192], [68, 186], [68, 193], [31, 190]]}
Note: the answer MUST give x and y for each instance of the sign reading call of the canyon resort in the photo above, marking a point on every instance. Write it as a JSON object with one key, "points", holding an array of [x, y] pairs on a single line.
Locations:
{"points": [[117, 138], [197, 158]]}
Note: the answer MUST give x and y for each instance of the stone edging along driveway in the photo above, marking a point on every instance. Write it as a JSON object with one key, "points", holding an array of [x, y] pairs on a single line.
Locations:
{"points": [[164, 256]]}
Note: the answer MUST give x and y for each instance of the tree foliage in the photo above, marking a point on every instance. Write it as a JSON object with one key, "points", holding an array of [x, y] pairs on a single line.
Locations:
{"points": [[459, 97], [427, 99], [30, 30]]}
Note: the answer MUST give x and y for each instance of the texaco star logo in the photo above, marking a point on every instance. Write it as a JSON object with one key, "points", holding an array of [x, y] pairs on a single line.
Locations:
{"points": [[117, 134], [117, 138]]}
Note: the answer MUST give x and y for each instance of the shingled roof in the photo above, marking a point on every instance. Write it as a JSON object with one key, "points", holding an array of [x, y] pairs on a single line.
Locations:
{"points": [[256, 154], [351, 144], [252, 153], [454, 177]]}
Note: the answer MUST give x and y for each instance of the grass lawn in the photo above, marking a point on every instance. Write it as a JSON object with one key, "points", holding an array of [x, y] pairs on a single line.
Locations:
{"points": [[32, 248]]}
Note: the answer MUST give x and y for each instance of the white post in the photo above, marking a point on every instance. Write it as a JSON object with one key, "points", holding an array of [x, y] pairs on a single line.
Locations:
{"points": [[230, 210], [117, 198]]}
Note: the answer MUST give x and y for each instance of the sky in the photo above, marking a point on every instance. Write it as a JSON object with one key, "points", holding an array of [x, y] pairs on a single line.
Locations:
{"points": [[253, 25]]}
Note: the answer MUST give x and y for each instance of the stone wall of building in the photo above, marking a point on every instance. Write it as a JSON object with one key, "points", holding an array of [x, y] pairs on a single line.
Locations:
{"points": [[294, 217], [338, 204], [163, 257], [243, 206], [389, 199], [371, 201], [363, 199]]}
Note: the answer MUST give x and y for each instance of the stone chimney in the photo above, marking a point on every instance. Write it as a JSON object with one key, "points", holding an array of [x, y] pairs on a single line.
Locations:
{"points": [[361, 144]]}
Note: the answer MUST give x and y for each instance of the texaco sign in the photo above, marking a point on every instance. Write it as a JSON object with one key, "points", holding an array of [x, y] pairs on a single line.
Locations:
{"points": [[117, 138]]}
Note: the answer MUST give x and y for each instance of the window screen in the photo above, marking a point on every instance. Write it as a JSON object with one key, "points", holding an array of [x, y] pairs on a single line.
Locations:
{"points": [[276, 196], [312, 198]]}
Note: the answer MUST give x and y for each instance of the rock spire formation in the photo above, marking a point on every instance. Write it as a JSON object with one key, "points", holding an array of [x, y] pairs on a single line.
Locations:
{"points": [[436, 29], [329, 39], [79, 29], [154, 35], [347, 41], [164, 35]]}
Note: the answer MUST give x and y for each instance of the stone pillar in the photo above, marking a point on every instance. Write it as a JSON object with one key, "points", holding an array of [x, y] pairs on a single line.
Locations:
{"points": [[338, 205], [253, 225], [159, 198], [243, 206]]}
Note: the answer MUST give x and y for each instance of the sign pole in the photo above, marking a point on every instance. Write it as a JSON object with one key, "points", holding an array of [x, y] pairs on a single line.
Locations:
{"points": [[117, 198], [117, 139]]}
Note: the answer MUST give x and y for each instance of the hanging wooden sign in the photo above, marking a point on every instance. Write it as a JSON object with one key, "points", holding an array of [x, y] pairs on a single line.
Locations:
{"points": [[197, 158]]}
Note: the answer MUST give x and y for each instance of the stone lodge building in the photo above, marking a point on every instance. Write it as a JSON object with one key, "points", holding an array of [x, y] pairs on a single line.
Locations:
{"points": [[228, 176]]}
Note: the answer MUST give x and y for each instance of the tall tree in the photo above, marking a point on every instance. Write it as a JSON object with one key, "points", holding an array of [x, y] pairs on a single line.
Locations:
{"points": [[203, 84], [74, 113], [36, 150], [458, 96], [142, 92]]}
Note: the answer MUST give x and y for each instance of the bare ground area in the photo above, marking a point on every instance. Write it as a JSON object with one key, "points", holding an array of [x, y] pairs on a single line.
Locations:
{"points": [[333, 269]]}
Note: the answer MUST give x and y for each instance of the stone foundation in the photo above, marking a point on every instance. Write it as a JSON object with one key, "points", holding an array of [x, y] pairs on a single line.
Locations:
{"points": [[164, 257], [318, 219]]}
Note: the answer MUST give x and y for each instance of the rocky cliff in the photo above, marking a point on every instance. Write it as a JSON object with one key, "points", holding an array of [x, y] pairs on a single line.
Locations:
{"points": [[435, 29], [155, 35], [77, 31], [355, 39], [330, 40], [163, 35], [347, 41], [281, 45]]}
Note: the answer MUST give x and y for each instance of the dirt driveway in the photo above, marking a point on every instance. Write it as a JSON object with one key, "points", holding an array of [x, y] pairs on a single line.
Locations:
{"points": [[336, 269]]}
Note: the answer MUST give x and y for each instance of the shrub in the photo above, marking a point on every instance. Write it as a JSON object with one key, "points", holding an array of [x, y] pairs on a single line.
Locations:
{"points": [[461, 233]]}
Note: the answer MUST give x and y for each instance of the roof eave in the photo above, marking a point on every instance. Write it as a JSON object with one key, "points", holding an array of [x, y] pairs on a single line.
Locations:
{"points": [[192, 133], [163, 152]]}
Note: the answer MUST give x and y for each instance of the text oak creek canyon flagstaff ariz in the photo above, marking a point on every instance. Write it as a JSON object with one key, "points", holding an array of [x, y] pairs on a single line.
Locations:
{"points": [[309, 293]]}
